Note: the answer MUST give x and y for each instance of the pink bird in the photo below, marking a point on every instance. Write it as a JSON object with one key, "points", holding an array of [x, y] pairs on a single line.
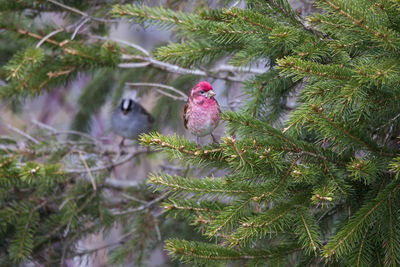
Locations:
{"points": [[201, 113]]}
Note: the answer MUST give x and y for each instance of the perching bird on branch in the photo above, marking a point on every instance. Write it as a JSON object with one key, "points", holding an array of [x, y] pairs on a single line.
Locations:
{"points": [[201, 113], [130, 119]]}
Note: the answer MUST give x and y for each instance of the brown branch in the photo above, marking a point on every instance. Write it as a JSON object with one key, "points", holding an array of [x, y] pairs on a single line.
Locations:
{"points": [[142, 207], [77, 11], [18, 131], [239, 257], [110, 165], [54, 42], [88, 171], [183, 96], [175, 207], [182, 148]]}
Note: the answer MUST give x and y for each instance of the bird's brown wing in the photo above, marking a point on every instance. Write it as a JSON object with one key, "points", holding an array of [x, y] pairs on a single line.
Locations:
{"points": [[186, 114]]}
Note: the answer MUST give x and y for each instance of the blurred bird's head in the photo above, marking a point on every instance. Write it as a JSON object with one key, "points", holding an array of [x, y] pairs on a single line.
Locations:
{"points": [[129, 101], [126, 105], [202, 90]]}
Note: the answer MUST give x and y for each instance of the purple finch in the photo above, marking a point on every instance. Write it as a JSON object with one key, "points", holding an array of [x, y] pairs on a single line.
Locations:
{"points": [[201, 114]]}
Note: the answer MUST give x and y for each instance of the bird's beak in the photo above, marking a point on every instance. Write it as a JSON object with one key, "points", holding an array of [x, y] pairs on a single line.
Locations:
{"points": [[210, 94]]}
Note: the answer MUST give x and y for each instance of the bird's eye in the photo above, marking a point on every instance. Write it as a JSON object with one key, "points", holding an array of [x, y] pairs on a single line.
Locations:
{"points": [[202, 91]]}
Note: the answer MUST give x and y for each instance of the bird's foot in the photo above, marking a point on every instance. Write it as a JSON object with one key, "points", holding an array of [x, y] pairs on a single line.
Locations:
{"points": [[214, 139], [120, 148], [198, 142]]}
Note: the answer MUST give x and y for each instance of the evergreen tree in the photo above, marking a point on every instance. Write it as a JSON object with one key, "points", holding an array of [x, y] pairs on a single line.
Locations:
{"points": [[313, 184]]}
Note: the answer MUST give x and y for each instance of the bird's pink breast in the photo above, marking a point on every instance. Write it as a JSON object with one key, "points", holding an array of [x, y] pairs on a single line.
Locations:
{"points": [[203, 118]]}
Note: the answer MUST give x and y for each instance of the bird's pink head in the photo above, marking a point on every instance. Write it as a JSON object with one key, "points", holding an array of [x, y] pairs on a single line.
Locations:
{"points": [[202, 91]]}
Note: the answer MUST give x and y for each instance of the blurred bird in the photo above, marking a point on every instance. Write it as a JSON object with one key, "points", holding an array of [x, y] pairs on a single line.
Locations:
{"points": [[130, 119], [201, 113]]}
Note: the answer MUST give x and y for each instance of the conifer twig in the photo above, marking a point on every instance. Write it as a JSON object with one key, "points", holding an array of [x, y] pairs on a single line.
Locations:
{"points": [[18, 131], [136, 46], [285, 176], [314, 246], [348, 134], [108, 166], [51, 41], [88, 171], [48, 36], [133, 65], [119, 183], [55, 131], [133, 198], [233, 213], [180, 70], [80, 25], [183, 96], [142, 207], [388, 122], [77, 11], [353, 19]]}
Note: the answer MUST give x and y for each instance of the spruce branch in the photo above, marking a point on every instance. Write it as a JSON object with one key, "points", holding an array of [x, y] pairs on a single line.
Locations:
{"points": [[157, 15], [178, 147], [389, 38], [192, 53], [254, 111], [229, 215], [283, 180], [232, 142], [311, 241], [194, 251], [192, 206], [345, 238], [203, 186], [318, 18], [251, 123], [117, 40], [283, 7], [66, 49], [367, 144], [388, 122], [23, 244], [254, 127], [253, 18], [328, 170], [390, 249], [360, 250], [274, 221], [305, 68]]}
